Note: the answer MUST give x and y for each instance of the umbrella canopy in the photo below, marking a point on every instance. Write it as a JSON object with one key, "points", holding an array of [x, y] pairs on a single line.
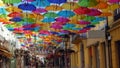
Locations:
{"points": [[41, 3], [89, 18], [48, 20], [105, 14], [82, 22], [70, 6], [50, 15], [56, 26], [13, 9], [11, 1], [94, 12], [53, 8], [87, 3], [44, 32], [27, 6], [14, 14], [66, 13], [62, 19], [114, 1], [16, 19], [3, 11], [102, 5], [57, 1], [82, 10], [39, 10]]}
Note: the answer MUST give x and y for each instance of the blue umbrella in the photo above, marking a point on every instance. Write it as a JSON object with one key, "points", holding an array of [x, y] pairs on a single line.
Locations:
{"points": [[48, 20], [16, 19], [3, 11], [27, 6], [66, 13], [41, 3], [97, 19], [68, 26], [90, 26], [74, 28], [57, 1]]}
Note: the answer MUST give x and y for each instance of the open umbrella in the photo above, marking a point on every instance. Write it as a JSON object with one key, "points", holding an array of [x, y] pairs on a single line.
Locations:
{"points": [[13, 9], [14, 14], [101, 5], [44, 32], [70, 6], [16, 19], [27, 6], [57, 1], [82, 10], [87, 3], [3, 11], [62, 19], [53, 8], [50, 15], [94, 12], [39, 10], [89, 18], [11, 1], [82, 22], [66, 13], [48, 20], [114, 1], [41, 3]]}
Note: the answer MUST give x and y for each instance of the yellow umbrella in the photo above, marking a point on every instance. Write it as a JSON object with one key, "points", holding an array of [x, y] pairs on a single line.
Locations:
{"points": [[13, 9], [53, 8], [102, 5], [106, 14], [113, 7], [70, 5]]}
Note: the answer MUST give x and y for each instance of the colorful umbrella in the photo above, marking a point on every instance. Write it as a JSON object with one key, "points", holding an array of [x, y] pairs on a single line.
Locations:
{"points": [[105, 14], [102, 5], [82, 10], [70, 6], [41, 3], [44, 32], [66, 13], [16, 19], [3, 11], [53, 8], [114, 1], [48, 20], [50, 15], [14, 14], [39, 10], [87, 3], [13, 9], [62, 19], [57, 1], [11, 1], [94, 12], [89, 18], [82, 22], [27, 6]]}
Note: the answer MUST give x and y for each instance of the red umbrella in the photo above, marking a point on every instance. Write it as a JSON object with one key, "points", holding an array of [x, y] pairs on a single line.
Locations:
{"points": [[82, 10], [94, 12], [15, 14]]}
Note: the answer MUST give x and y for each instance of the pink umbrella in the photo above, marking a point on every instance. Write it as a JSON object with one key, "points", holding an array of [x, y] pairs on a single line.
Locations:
{"points": [[44, 32], [62, 19], [94, 12], [82, 31], [56, 26], [114, 1], [82, 10], [83, 22], [39, 10]]}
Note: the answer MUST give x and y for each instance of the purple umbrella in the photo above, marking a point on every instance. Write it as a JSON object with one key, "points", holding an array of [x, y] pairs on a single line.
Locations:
{"points": [[39, 10], [62, 19], [83, 22], [56, 26]]}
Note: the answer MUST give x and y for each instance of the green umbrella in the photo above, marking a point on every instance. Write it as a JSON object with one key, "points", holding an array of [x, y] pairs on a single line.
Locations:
{"points": [[89, 18], [50, 15], [28, 20], [11, 1], [87, 3], [94, 23], [3, 15]]}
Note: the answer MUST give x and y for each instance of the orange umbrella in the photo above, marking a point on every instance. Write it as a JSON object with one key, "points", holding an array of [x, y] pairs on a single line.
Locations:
{"points": [[102, 5], [106, 14], [70, 5], [13, 9], [53, 8]]}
